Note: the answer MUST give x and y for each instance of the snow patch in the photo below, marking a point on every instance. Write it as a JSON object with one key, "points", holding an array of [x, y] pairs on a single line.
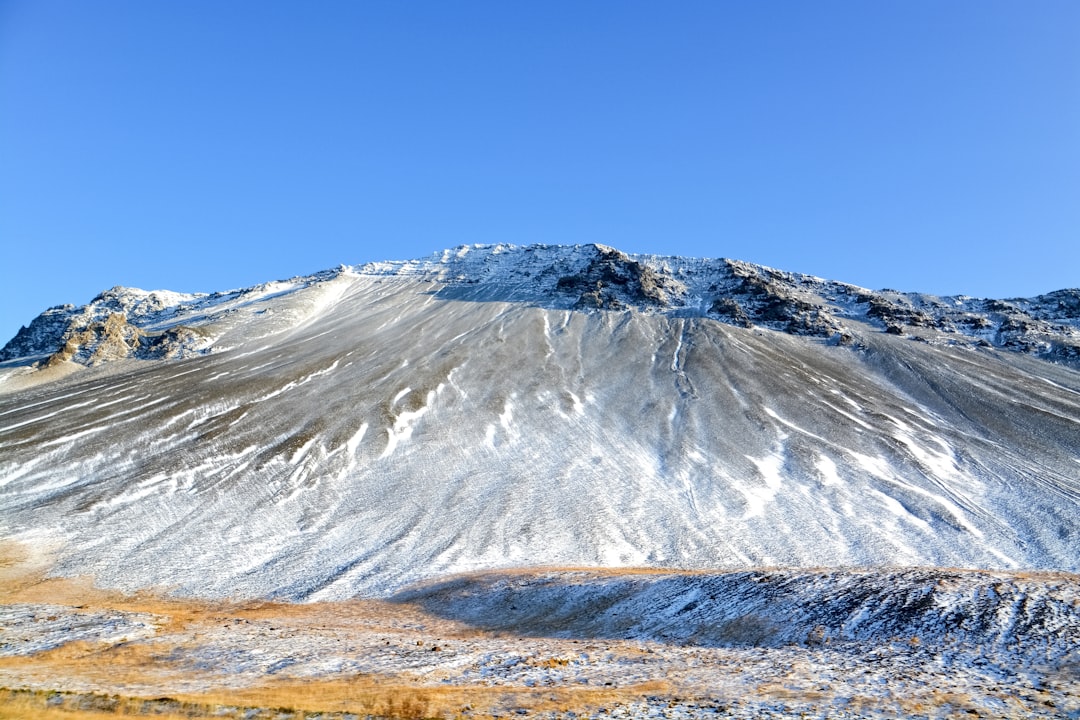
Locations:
{"points": [[829, 475]]}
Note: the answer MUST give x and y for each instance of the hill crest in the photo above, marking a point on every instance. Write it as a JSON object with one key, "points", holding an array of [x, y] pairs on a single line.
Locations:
{"points": [[127, 322]]}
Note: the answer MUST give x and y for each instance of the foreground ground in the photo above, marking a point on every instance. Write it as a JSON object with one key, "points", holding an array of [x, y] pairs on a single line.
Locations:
{"points": [[70, 650]]}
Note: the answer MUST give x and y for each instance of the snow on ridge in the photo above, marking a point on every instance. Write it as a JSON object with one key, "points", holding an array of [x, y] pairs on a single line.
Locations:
{"points": [[597, 277], [146, 324], [508, 263]]}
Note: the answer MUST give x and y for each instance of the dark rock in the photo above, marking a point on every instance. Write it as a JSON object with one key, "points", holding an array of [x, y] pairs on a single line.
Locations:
{"points": [[774, 299], [612, 280], [44, 335], [177, 342], [896, 314], [728, 309]]}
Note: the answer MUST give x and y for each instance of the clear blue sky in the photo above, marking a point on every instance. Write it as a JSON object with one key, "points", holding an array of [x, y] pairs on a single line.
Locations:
{"points": [[193, 145]]}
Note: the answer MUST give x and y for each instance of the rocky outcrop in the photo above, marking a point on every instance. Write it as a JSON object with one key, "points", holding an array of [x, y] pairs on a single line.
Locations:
{"points": [[730, 311], [612, 280], [119, 323], [895, 315], [1045, 326], [44, 334], [98, 342], [177, 342], [770, 298]]}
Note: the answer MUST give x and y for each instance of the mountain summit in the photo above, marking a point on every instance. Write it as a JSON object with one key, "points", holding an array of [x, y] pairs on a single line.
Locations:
{"points": [[498, 406], [125, 322]]}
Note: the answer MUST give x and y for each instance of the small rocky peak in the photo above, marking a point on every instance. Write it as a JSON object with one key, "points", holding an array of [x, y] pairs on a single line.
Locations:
{"points": [[612, 280], [110, 327], [133, 302], [94, 342], [113, 296], [43, 336]]}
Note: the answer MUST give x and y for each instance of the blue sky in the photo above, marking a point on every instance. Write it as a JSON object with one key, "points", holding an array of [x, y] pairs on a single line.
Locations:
{"points": [[926, 145]]}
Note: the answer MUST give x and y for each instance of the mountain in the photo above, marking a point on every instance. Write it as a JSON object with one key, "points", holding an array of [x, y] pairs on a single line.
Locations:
{"points": [[360, 429]]}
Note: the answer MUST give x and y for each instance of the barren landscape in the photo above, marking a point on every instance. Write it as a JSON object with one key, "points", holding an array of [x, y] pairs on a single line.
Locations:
{"points": [[558, 643], [543, 481]]}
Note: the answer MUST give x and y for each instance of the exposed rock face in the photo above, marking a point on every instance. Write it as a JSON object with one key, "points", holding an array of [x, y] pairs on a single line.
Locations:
{"points": [[895, 315], [774, 299], [44, 334], [588, 278], [65, 334], [122, 323], [729, 310], [1039, 326], [99, 342], [612, 281], [176, 342]]}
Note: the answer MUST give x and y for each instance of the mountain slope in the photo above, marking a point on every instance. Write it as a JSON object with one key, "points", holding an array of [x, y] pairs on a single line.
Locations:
{"points": [[364, 428]]}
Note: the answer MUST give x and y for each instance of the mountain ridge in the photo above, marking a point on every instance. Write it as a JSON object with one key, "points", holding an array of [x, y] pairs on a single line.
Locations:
{"points": [[589, 277], [358, 430]]}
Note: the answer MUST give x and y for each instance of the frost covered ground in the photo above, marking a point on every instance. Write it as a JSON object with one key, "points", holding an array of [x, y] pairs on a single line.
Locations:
{"points": [[912, 643]]}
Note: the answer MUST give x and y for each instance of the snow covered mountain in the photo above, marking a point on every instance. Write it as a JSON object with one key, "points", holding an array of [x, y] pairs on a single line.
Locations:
{"points": [[363, 428]]}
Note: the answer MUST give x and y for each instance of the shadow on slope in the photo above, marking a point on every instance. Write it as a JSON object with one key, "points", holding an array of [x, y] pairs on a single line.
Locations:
{"points": [[1019, 612]]}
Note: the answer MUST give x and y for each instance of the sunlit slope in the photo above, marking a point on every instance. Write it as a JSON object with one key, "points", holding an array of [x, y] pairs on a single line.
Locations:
{"points": [[388, 433]]}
